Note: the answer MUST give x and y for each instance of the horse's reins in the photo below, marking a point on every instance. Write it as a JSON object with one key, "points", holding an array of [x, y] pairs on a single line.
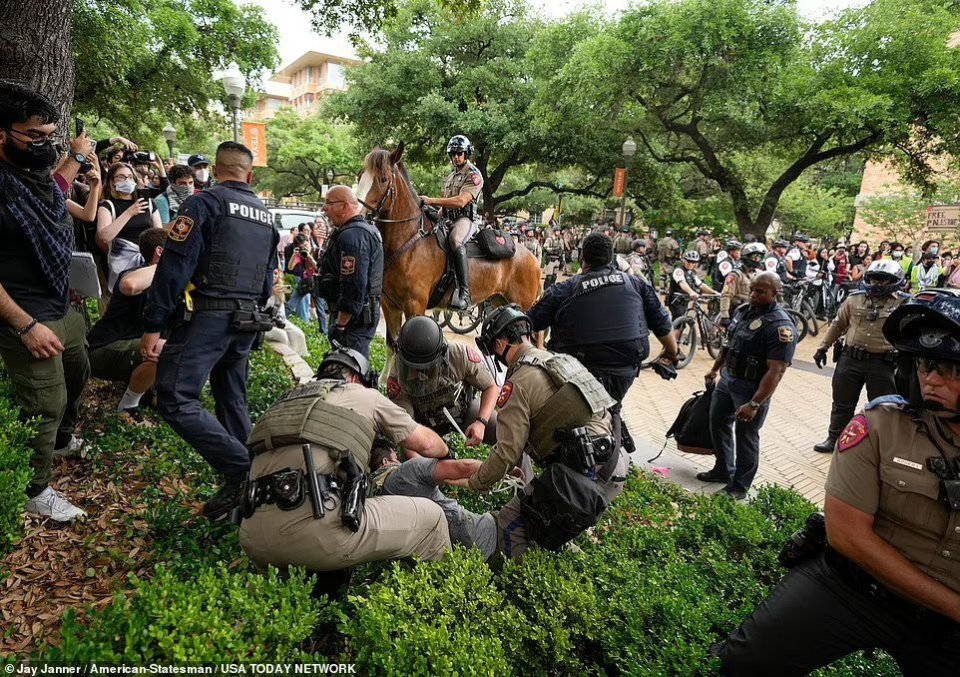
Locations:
{"points": [[375, 211]]}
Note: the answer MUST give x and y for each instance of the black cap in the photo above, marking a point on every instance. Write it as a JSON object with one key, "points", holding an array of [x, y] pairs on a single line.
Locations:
{"points": [[197, 160]]}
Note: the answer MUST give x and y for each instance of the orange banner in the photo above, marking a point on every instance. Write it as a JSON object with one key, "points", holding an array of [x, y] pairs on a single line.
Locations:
{"points": [[619, 181], [255, 138]]}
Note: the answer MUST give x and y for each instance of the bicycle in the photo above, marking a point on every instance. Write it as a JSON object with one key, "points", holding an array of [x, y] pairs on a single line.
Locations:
{"points": [[688, 328], [799, 296]]}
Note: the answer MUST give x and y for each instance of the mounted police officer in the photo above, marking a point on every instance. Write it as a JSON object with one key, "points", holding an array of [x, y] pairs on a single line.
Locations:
{"points": [[759, 348], [888, 575], [726, 262], [736, 286], [434, 381], [351, 272], [867, 358], [461, 189], [603, 318], [776, 261], [555, 410], [223, 242], [306, 502], [686, 286]]}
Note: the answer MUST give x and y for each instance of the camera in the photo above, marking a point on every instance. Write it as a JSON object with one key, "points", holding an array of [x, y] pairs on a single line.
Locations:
{"points": [[141, 157]]}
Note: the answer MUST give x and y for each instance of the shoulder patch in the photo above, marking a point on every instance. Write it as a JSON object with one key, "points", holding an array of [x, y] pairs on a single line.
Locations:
{"points": [[505, 392], [731, 278], [855, 432], [348, 265], [473, 355], [181, 228], [895, 401], [785, 334], [393, 387], [475, 178]]}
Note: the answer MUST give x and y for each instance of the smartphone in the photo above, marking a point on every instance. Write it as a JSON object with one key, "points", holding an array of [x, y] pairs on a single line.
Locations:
{"points": [[152, 155], [78, 126]]}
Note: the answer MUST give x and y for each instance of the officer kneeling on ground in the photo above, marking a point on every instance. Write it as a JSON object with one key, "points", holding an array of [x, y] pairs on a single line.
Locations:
{"points": [[305, 503], [555, 410], [436, 381], [889, 576]]}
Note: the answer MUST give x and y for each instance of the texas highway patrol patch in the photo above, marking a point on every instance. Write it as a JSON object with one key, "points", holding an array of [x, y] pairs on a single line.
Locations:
{"points": [[855, 432], [505, 392], [348, 265], [785, 334], [393, 387], [473, 355], [181, 228], [476, 179]]}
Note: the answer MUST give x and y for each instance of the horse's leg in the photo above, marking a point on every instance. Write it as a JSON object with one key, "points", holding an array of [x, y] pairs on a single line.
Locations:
{"points": [[394, 318]]}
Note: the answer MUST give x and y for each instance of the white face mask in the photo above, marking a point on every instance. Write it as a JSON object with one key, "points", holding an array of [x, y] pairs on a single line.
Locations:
{"points": [[898, 255], [125, 186], [934, 250], [202, 175]]}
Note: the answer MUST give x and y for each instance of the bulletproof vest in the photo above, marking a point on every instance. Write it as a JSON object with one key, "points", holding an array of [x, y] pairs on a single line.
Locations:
{"points": [[579, 397], [452, 187], [604, 308], [690, 277], [454, 395], [375, 272], [234, 266], [800, 267], [302, 416], [747, 343]]}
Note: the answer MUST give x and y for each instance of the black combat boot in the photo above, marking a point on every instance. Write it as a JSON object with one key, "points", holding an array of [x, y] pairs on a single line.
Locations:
{"points": [[223, 502], [826, 447], [460, 300]]}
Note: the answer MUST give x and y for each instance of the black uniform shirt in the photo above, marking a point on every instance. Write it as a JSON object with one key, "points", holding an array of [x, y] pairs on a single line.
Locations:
{"points": [[766, 332], [354, 255]]}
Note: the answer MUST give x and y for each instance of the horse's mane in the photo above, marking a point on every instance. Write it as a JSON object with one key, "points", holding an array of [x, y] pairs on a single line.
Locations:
{"points": [[378, 163]]}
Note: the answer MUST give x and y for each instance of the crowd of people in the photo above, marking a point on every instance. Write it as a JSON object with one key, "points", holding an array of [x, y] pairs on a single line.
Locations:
{"points": [[318, 482]]}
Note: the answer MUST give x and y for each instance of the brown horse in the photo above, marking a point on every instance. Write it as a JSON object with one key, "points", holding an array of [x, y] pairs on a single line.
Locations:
{"points": [[412, 259]]}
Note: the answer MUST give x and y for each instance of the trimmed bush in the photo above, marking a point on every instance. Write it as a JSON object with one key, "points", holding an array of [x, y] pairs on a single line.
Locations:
{"points": [[15, 471]]}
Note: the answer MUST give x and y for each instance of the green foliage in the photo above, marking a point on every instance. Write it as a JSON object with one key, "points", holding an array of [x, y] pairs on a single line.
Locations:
{"points": [[269, 379], [360, 16], [214, 616], [15, 471], [902, 216], [317, 343]]}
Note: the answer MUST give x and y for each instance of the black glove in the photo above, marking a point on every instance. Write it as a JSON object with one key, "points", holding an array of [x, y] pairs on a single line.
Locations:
{"points": [[724, 322], [820, 357], [336, 334], [664, 371]]}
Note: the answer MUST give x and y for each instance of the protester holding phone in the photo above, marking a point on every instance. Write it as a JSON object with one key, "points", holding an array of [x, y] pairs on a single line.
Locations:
{"points": [[122, 217]]}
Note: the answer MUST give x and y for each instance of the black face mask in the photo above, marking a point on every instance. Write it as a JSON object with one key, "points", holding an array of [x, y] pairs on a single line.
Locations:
{"points": [[33, 158]]}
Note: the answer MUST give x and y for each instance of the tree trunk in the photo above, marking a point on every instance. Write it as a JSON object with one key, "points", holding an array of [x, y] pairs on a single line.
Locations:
{"points": [[36, 47]]}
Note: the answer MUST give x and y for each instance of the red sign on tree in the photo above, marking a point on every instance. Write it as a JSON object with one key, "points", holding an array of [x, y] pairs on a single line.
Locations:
{"points": [[619, 181]]}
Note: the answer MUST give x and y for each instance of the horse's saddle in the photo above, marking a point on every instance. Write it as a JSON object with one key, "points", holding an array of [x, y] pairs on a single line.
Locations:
{"points": [[486, 243]]}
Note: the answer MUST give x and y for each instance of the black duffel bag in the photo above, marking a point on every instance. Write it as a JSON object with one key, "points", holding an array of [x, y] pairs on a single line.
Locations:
{"points": [[691, 429], [495, 243], [563, 504]]}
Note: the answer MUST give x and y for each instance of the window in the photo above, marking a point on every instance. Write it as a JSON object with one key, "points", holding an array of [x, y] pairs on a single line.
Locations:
{"points": [[335, 75], [273, 104]]}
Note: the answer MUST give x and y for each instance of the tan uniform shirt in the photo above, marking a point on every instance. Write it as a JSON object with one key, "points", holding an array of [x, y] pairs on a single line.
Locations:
{"points": [[736, 290], [466, 179], [533, 245], [464, 364], [880, 468], [668, 250], [524, 393], [860, 321]]}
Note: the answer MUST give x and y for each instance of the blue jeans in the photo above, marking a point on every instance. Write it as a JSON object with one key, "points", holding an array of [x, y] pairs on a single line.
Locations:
{"points": [[737, 444], [205, 347], [299, 305], [322, 313]]}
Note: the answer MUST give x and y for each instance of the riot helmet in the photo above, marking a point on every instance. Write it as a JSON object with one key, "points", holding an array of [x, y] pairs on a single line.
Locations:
{"points": [[507, 321], [883, 277], [340, 356], [752, 255], [421, 351], [460, 144]]}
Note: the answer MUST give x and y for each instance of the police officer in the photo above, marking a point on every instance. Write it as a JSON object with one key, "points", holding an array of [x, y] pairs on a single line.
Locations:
{"points": [[639, 263], [889, 576], [531, 243], [776, 261], [867, 358], [555, 410], [603, 318], [461, 189], [553, 257], [736, 285], [702, 246], [759, 348], [686, 286], [796, 260], [726, 261], [337, 418], [668, 254], [623, 243], [223, 242], [431, 375], [351, 272]]}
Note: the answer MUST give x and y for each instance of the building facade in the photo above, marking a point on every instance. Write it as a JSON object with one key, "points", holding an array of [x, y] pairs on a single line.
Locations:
{"points": [[302, 85]]}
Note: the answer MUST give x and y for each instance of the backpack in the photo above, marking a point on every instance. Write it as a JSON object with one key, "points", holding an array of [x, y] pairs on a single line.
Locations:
{"points": [[691, 429]]}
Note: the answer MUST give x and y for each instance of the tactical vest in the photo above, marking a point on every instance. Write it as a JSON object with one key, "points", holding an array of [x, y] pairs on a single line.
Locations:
{"points": [[604, 308], [375, 271], [302, 415], [746, 346], [454, 395], [579, 397], [690, 277], [235, 264]]}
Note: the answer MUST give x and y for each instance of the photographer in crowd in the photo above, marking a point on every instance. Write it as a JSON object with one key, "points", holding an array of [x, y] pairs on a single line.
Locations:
{"points": [[122, 217]]}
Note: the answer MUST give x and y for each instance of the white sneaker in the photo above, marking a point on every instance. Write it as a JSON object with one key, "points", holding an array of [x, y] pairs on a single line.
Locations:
{"points": [[73, 448], [51, 503]]}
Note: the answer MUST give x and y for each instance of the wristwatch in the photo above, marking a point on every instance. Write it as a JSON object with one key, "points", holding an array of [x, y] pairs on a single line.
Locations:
{"points": [[80, 158], [754, 405]]}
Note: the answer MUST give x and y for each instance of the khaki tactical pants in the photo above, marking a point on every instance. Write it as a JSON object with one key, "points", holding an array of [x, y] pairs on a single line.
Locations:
{"points": [[460, 232], [393, 527], [48, 389]]}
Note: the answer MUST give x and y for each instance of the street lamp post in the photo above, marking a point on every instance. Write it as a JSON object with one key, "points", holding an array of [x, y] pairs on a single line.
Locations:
{"points": [[236, 85], [170, 134], [629, 149]]}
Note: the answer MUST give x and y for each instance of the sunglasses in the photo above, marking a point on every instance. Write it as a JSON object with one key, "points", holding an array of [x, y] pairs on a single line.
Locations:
{"points": [[945, 368], [457, 153]]}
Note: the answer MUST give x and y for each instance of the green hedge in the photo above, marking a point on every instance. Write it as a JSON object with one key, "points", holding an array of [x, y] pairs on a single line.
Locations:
{"points": [[318, 345], [15, 471]]}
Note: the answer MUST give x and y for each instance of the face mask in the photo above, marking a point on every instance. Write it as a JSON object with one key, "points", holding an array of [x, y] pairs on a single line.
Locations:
{"points": [[33, 158], [202, 175], [898, 255], [182, 192], [125, 186], [934, 250]]}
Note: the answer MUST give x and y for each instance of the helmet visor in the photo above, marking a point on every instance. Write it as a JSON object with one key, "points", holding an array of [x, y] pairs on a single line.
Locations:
{"points": [[419, 382]]}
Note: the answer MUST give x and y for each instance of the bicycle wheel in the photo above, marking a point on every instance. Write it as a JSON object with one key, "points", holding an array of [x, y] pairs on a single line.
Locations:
{"points": [[711, 338], [800, 322], [686, 331], [808, 312], [439, 316], [463, 321]]}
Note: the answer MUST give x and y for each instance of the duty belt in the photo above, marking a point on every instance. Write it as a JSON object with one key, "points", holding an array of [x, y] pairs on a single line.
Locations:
{"points": [[863, 354], [287, 489], [749, 367], [210, 303]]}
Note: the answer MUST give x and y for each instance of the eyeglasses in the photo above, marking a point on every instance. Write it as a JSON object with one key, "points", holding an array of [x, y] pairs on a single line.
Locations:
{"points": [[945, 368], [30, 139], [335, 202], [457, 153]]}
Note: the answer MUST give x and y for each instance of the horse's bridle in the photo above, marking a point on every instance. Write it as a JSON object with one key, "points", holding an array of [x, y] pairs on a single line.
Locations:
{"points": [[375, 211]]}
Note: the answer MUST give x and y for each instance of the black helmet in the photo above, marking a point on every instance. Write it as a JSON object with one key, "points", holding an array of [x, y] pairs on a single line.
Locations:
{"points": [[781, 243], [732, 245], [800, 237], [498, 322], [636, 244], [421, 350], [928, 325], [351, 359], [460, 144]]}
